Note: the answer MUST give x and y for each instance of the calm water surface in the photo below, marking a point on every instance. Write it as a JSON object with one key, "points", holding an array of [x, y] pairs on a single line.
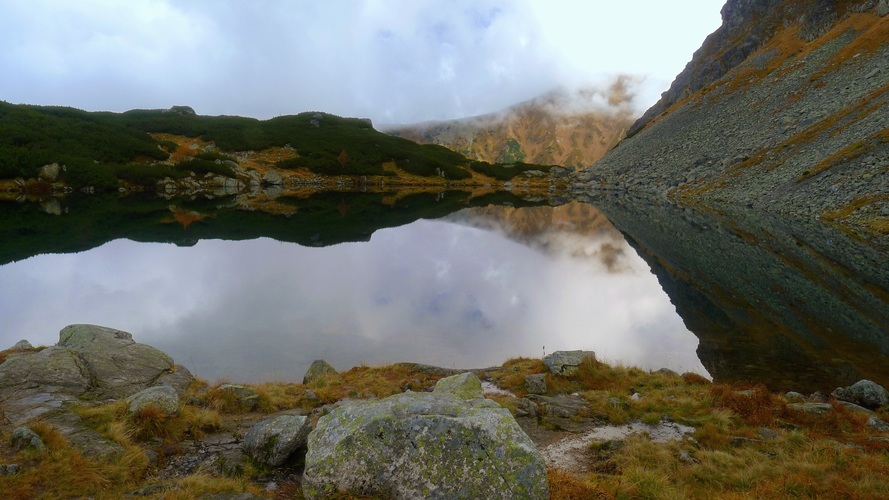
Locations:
{"points": [[471, 291]]}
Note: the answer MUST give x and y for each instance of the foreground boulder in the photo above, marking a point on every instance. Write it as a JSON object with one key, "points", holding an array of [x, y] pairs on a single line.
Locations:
{"points": [[119, 366], [420, 445], [88, 363], [273, 440]]}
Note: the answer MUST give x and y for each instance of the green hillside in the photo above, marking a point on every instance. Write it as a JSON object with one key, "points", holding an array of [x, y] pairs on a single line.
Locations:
{"points": [[100, 148]]}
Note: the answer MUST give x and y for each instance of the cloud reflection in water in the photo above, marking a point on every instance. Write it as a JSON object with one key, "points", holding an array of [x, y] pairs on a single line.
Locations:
{"points": [[432, 292]]}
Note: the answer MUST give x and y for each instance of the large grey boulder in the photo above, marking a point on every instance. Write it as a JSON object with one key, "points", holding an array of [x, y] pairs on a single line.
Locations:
{"points": [[319, 368], [273, 440], [118, 364], [88, 363], [865, 393], [566, 362], [424, 445], [162, 397]]}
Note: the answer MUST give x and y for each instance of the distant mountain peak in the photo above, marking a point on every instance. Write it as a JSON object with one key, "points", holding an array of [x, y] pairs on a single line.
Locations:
{"points": [[569, 126]]}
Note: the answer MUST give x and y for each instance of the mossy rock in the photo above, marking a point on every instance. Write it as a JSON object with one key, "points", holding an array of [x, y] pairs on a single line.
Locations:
{"points": [[420, 445]]}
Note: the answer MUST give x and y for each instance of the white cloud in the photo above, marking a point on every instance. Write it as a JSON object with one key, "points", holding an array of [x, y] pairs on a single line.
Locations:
{"points": [[390, 60]]}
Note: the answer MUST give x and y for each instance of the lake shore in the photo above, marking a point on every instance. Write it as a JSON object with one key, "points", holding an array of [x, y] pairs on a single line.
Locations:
{"points": [[604, 431]]}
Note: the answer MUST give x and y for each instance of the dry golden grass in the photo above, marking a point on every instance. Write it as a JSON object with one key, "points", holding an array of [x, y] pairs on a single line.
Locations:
{"points": [[566, 486], [116, 422], [829, 455], [64, 472]]}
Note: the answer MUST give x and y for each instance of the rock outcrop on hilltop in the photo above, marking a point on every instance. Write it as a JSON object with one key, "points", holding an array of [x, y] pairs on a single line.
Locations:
{"points": [[785, 108]]}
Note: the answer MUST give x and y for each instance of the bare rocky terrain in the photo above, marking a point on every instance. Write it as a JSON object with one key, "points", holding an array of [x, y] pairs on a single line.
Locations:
{"points": [[796, 121]]}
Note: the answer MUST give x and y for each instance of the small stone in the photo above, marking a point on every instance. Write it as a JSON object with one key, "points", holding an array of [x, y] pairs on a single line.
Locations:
{"points": [[876, 423], [685, 457], [636, 396], [817, 397], [811, 408], [536, 383], [767, 433], [9, 469], [318, 369], [245, 396], [795, 396], [525, 407], [740, 440], [22, 345], [24, 438], [566, 362], [162, 397], [463, 386]]}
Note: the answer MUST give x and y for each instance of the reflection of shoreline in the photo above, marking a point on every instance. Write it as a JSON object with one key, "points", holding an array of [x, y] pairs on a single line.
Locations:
{"points": [[791, 304], [576, 230]]}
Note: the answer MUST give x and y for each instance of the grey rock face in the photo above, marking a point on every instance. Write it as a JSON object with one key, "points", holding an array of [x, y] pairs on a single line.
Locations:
{"points": [[118, 365], [425, 445], [536, 383], [566, 362], [162, 397], [273, 440], [865, 393], [318, 368], [89, 361], [883, 8]]}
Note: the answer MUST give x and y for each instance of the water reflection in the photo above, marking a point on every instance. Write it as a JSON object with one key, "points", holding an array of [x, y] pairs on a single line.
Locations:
{"points": [[792, 304], [438, 292]]}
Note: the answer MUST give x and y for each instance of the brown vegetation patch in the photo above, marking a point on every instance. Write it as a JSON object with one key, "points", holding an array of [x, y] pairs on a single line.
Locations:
{"points": [[184, 217]]}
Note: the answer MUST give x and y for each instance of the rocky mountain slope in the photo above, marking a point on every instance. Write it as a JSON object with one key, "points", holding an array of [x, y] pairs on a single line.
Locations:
{"points": [[783, 109], [571, 129]]}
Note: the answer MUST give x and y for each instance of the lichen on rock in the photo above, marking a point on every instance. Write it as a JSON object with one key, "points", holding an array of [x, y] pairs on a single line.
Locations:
{"points": [[419, 445]]}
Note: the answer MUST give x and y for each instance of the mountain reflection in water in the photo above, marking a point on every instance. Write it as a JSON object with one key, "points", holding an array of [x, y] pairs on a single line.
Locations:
{"points": [[453, 279], [432, 292]]}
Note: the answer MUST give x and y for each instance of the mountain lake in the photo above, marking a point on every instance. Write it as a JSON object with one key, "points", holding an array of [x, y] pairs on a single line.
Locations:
{"points": [[445, 279]]}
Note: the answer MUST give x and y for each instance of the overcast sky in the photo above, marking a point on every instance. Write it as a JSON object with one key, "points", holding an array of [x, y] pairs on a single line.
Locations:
{"points": [[395, 61]]}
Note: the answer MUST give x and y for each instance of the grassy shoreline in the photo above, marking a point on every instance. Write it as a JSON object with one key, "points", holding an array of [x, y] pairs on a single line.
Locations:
{"points": [[747, 441]]}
